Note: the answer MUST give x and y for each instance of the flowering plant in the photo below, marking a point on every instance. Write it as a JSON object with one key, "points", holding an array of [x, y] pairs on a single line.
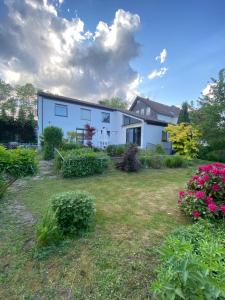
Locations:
{"points": [[205, 193]]}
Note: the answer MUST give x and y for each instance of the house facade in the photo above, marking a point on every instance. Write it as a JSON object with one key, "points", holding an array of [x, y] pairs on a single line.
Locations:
{"points": [[113, 126]]}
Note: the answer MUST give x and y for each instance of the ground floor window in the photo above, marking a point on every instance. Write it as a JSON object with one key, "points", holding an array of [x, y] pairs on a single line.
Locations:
{"points": [[133, 136], [80, 135], [164, 136]]}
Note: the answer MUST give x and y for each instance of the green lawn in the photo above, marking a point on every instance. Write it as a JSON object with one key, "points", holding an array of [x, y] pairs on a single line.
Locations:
{"points": [[115, 261]]}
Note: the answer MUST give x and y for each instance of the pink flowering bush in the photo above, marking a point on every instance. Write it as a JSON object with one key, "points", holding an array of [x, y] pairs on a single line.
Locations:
{"points": [[205, 193]]}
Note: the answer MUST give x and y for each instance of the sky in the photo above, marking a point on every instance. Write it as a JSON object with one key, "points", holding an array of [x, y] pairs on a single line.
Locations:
{"points": [[94, 49]]}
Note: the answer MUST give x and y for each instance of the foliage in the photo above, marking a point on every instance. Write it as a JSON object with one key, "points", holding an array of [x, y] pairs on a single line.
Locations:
{"points": [[216, 155], [159, 149], [185, 139], [129, 162], [192, 264], [70, 146], [17, 110], [47, 231], [74, 211], [114, 102], [184, 114], [52, 138], [115, 150], [205, 194], [89, 133], [3, 186], [72, 135], [210, 114], [174, 161], [83, 162], [18, 162]]}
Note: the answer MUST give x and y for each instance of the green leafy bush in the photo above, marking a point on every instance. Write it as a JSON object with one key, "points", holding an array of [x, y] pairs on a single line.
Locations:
{"points": [[159, 149], [83, 162], [52, 138], [74, 211], [192, 264], [18, 162], [47, 231], [156, 161], [3, 186], [116, 150], [70, 146], [216, 155], [175, 161]]}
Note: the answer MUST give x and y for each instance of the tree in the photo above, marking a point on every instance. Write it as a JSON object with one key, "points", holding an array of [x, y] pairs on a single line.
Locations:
{"points": [[89, 133], [185, 139], [114, 102], [210, 113], [184, 114]]}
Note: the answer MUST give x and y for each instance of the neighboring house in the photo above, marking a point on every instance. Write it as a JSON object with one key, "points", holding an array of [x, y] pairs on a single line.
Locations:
{"points": [[113, 126], [155, 110]]}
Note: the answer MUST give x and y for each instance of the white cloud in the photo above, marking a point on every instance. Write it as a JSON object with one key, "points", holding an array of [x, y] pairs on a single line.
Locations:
{"points": [[158, 73], [162, 56], [57, 54]]}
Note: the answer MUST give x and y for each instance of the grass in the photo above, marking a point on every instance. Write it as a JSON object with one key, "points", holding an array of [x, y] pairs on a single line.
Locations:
{"points": [[114, 261]]}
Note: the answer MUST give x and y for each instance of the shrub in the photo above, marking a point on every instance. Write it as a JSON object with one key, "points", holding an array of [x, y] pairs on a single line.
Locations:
{"points": [[156, 161], [129, 162], [70, 146], [115, 150], [3, 186], [159, 149], [174, 161], [205, 194], [192, 264], [52, 138], [216, 155], [83, 162], [74, 211], [18, 162], [47, 231]]}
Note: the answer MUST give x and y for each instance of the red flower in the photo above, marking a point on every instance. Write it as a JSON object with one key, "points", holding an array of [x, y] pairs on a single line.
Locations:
{"points": [[222, 208], [212, 207], [196, 214], [200, 194], [208, 200], [215, 187], [181, 194]]}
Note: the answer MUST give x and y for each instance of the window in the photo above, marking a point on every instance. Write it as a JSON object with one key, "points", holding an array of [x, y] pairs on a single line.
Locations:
{"points": [[164, 136], [61, 110], [128, 120], [80, 135], [137, 111], [133, 136], [85, 114], [105, 117], [142, 111], [148, 111]]}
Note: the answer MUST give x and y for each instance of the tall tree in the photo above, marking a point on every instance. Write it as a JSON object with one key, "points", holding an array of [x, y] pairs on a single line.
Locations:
{"points": [[114, 102], [210, 113], [184, 114]]}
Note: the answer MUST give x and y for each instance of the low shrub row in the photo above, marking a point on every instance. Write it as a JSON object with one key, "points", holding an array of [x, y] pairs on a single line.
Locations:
{"points": [[116, 150], [81, 162], [159, 161], [70, 213], [192, 264]]}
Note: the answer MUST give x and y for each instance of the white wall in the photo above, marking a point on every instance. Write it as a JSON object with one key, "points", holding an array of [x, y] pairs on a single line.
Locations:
{"points": [[73, 120], [152, 134]]}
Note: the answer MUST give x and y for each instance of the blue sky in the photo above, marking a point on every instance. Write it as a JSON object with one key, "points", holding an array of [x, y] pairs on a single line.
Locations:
{"points": [[192, 32]]}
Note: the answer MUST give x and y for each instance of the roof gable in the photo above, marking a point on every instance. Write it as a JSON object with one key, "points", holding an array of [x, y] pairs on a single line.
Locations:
{"points": [[171, 111]]}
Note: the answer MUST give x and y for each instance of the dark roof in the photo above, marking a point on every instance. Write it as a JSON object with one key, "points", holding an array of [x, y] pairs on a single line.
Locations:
{"points": [[171, 111], [95, 105]]}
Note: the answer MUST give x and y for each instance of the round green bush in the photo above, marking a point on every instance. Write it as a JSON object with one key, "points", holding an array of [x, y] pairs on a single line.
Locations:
{"points": [[52, 138], [74, 211]]}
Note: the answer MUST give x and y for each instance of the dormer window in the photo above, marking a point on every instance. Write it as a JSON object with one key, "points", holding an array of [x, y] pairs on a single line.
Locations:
{"points": [[148, 111], [142, 111]]}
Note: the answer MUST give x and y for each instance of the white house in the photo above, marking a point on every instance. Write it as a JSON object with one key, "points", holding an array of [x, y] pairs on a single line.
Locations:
{"points": [[113, 126]]}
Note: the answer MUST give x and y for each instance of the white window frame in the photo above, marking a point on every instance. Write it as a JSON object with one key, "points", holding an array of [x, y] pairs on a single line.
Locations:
{"points": [[148, 111], [142, 111]]}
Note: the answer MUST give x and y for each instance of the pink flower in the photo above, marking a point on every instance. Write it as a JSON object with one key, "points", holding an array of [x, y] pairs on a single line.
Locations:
{"points": [[215, 187], [212, 207], [196, 214], [190, 193], [195, 177], [200, 194], [208, 200], [222, 208], [181, 194]]}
